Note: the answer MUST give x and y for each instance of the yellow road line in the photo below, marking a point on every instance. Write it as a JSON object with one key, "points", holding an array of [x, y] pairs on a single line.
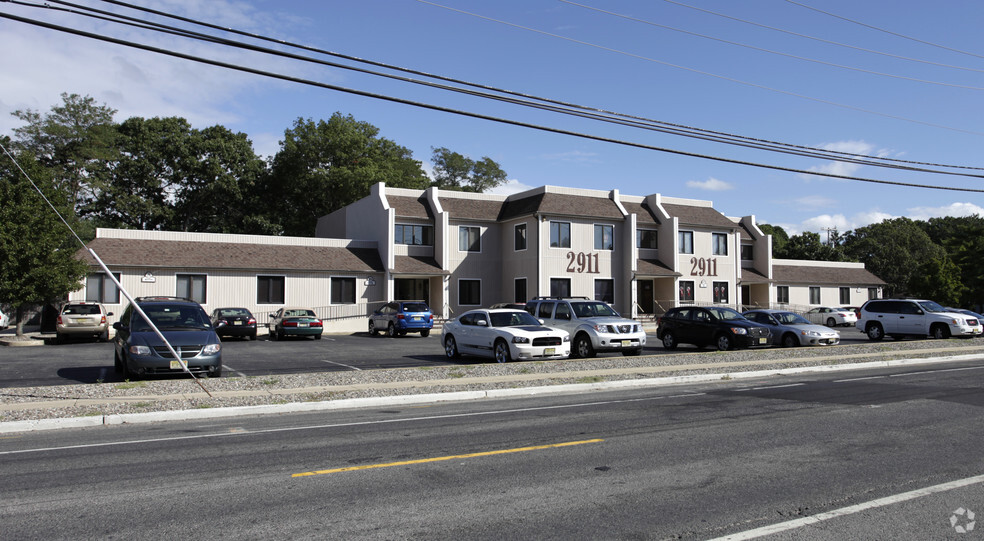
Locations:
{"points": [[452, 457]]}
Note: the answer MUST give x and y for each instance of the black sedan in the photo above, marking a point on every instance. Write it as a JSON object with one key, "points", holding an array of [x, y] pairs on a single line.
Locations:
{"points": [[234, 322]]}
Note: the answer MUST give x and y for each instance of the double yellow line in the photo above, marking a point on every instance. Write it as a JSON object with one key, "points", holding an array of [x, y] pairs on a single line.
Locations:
{"points": [[452, 457]]}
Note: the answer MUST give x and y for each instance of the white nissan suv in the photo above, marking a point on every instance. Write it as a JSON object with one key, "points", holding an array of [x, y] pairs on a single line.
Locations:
{"points": [[912, 317], [594, 326]]}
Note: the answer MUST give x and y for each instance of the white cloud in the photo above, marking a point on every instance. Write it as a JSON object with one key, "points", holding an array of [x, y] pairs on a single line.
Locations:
{"points": [[510, 187], [711, 185], [849, 147], [817, 224], [814, 202], [953, 209]]}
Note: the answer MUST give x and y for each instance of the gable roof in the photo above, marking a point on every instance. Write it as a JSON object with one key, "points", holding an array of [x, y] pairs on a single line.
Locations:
{"points": [[471, 209], [562, 204], [699, 216], [230, 256], [410, 207], [644, 215], [839, 276]]}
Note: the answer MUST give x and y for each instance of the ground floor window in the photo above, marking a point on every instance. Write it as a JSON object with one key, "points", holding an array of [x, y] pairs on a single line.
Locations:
{"points": [[605, 290], [270, 289], [192, 286], [872, 292], [720, 292], [519, 288], [342, 290], [686, 291], [560, 287], [99, 287], [470, 292], [814, 295], [845, 295], [782, 294]]}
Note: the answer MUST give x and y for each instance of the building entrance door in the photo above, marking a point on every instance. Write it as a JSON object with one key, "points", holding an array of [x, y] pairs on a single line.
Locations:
{"points": [[644, 295], [412, 289]]}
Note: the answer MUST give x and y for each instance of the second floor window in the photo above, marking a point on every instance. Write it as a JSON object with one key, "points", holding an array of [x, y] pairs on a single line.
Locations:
{"points": [[720, 243], [560, 234], [686, 242], [647, 238], [604, 237], [469, 239], [520, 243], [420, 235]]}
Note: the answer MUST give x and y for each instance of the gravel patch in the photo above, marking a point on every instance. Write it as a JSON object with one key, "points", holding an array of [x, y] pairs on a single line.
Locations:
{"points": [[34, 403]]}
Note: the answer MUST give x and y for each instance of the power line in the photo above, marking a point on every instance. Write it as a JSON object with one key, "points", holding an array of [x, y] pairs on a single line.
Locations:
{"points": [[403, 101]]}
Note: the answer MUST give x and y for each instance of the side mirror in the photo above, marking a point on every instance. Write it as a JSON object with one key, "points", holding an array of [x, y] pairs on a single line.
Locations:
{"points": [[108, 314], [541, 322], [117, 325], [273, 316], [482, 323]]}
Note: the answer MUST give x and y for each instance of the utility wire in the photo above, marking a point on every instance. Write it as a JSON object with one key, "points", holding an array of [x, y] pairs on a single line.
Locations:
{"points": [[255, 71], [822, 40], [595, 114]]}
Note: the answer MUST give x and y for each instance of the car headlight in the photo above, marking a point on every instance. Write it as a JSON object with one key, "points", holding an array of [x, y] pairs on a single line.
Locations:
{"points": [[520, 340], [811, 333], [211, 349], [602, 328], [567, 338], [739, 330], [140, 350]]}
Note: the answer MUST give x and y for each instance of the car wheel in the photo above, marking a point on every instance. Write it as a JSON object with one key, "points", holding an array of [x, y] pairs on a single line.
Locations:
{"points": [[451, 348], [253, 336], [317, 337], [724, 342], [425, 333], [632, 352], [940, 332], [831, 322], [789, 340], [104, 337], [391, 330], [501, 350], [216, 374], [875, 332], [117, 363], [582, 347], [669, 341], [373, 331]]}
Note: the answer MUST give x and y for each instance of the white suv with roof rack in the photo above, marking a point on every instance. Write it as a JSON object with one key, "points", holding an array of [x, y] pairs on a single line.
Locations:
{"points": [[898, 318], [594, 326]]}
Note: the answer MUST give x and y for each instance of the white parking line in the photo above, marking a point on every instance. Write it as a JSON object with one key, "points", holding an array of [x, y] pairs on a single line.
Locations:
{"points": [[850, 510], [340, 364], [227, 367], [858, 379]]}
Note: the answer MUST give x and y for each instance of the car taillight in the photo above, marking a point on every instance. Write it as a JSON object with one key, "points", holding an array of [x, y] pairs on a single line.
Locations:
{"points": [[290, 324], [59, 322], [102, 321], [251, 321], [400, 316], [430, 317], [316, 323], [659, 321]]}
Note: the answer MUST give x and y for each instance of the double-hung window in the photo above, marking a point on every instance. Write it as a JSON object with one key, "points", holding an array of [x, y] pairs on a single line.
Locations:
{"points": [[686, 239], [604, 237], [469, 238], [192, 286], [719, 243], [560, 234]]}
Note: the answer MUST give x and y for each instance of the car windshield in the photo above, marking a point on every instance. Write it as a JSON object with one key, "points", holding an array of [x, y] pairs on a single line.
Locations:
{"points": [[513, 319], [789, 318], [300, 313], [725, 313], [81, 309], [593, 309], [931, 306], [171, 318], [415, 307]]}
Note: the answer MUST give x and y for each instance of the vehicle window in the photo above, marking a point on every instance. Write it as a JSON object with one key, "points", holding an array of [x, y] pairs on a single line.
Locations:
{"points": [[563, 311], [757, 316], [415, 307], [789, 318], [931, 306], [682, 313], [480, 317], [702, 315], [545, 310], [82, 309], [171, 317], [512, 319], [592, 309], [725, 314], [233, 312]]}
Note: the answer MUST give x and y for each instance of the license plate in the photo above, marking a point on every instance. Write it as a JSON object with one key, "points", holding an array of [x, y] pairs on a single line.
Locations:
{"points": [[626, 343], [176, 365], [237, 322], [85, 321], [763, 340], [550, 351], [417, 318], [303, 324]]}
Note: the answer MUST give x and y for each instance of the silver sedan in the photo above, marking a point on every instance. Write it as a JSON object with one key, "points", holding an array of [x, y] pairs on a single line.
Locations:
{"points": [[791, 329]]}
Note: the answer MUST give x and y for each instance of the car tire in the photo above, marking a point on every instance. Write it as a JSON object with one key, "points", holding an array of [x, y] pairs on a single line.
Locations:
{"points": [[875, 332], [253, 336], [117, 363], [391, 330], [582, 347], [724, 342], [451, 347], [317, 337], [669, 340], [940, 332], [501, 351], [373, 331], [104, 337], [216, 374], [425, 333], [789, 340], [831, 322], [632, 352]]}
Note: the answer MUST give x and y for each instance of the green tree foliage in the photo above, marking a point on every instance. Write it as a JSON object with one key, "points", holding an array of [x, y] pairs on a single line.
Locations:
{"points": [[37, 252], [325, 165], [963, 240], [453, 171], [901, 253], [75, 140], [779, 239], [808, 246]]}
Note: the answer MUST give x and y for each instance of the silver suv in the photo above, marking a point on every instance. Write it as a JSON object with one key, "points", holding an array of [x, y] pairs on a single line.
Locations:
{"points": [[594, 326], [912, 317]]}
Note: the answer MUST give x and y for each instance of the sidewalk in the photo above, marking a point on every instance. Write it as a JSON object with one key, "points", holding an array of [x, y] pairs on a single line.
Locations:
{"points": [[152, 401]]}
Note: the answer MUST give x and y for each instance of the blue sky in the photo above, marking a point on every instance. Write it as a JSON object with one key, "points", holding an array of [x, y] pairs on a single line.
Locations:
{"points": [[896, 79]]}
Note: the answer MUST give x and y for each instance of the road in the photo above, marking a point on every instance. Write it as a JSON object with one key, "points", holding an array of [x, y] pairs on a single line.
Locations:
{"points": [[91, 362], [676, 462]]}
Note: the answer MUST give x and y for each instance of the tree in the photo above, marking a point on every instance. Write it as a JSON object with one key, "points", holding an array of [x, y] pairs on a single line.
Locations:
{"points": [[453, 171], [808, 246], [323, 166], [963, 240], [779, 239], [37, 252], [901, 253], [75, 140]]}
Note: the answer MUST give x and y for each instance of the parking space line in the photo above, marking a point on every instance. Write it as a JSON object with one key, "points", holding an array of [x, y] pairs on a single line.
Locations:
{"points": [[340, 364], [240, 374]]}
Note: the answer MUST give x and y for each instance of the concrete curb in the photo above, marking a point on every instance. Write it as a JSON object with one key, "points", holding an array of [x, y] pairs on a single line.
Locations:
{"points": [[454, 396]]}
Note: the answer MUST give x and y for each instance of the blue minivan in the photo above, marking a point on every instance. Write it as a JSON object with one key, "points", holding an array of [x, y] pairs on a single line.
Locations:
{"points": [[400, 317]]}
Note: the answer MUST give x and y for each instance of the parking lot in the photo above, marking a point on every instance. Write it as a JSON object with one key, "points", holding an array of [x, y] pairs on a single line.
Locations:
{"points": [[92, 362]]}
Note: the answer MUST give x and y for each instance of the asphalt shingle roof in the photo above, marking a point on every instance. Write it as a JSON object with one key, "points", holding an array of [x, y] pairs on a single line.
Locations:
{"points": [[699, 216], [795, 274]]}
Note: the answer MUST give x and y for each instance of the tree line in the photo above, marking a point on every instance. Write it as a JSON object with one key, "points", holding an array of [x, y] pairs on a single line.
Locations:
{"points": [[163, 174]]}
